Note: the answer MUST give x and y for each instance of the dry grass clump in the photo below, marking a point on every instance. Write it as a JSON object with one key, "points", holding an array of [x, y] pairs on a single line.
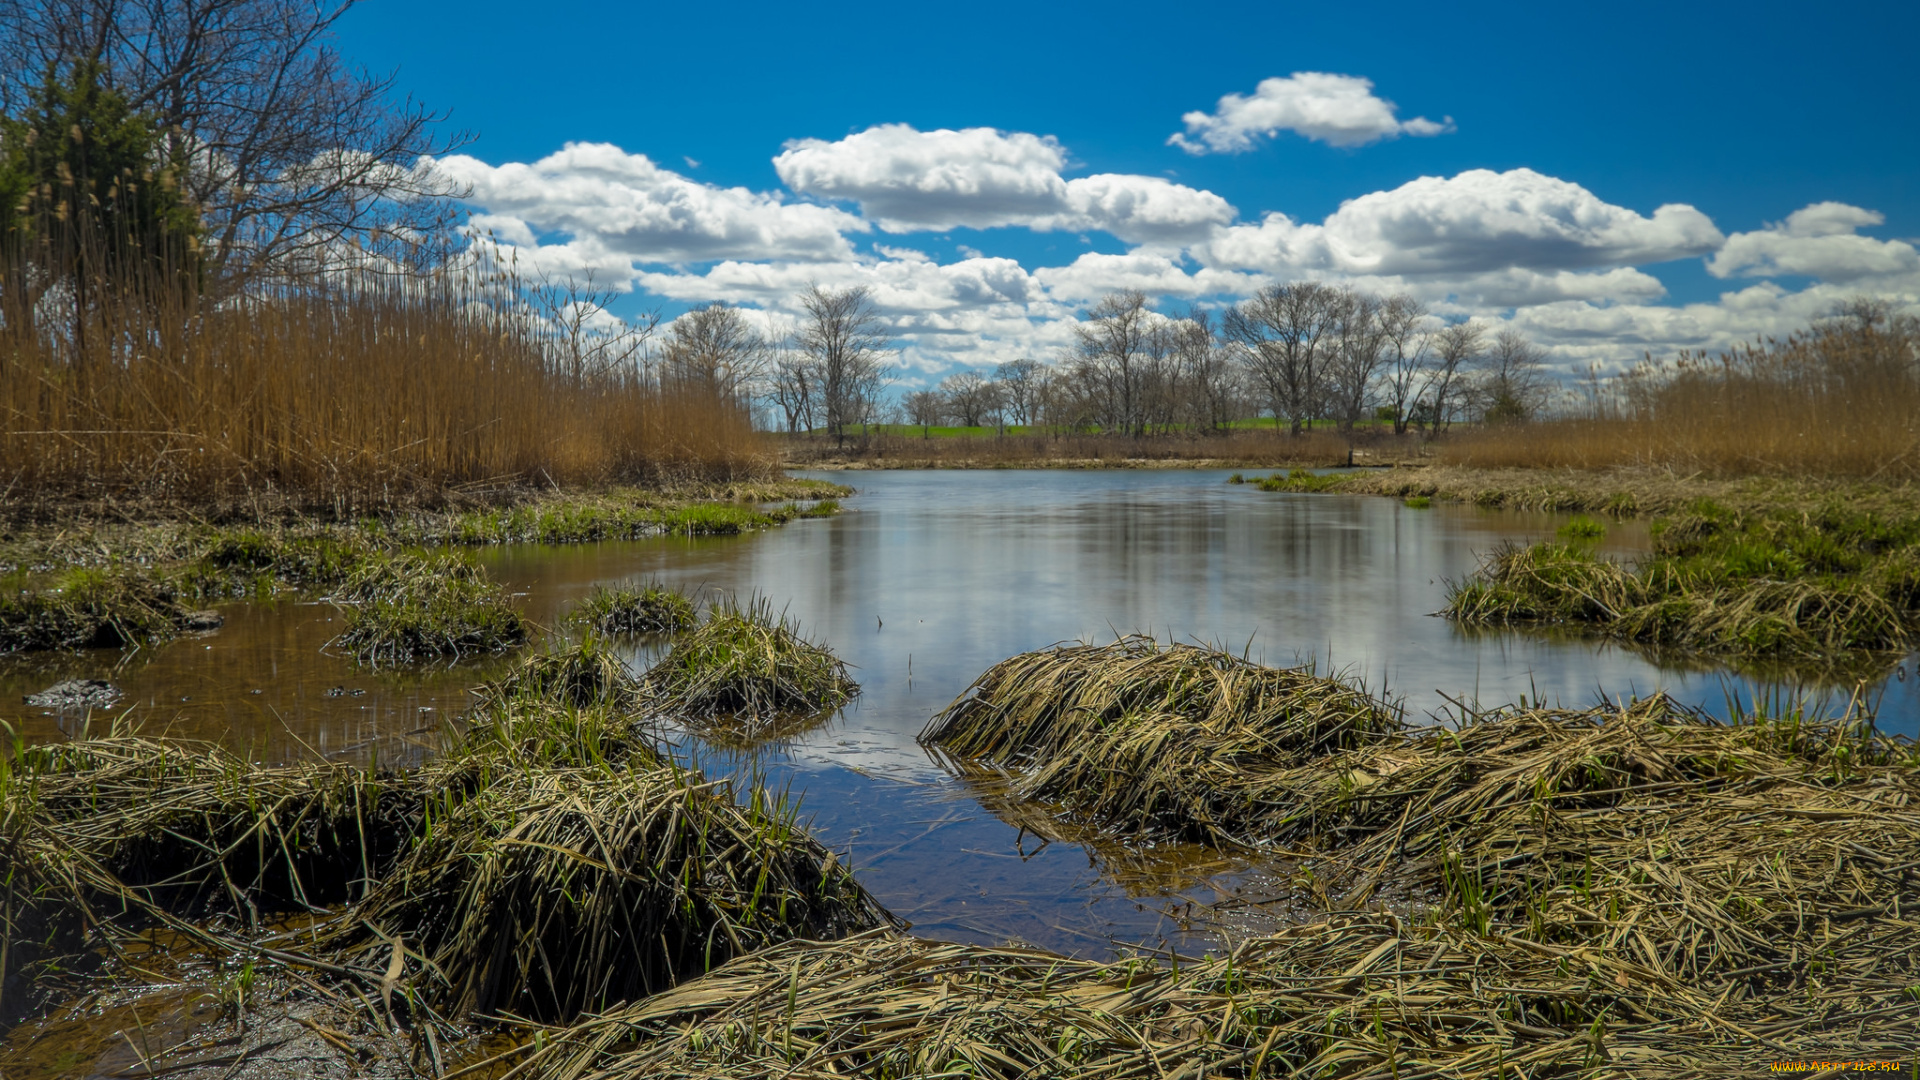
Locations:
{"points": [[642, 607], [746, 668], [566, 889], [1767, 853], [1366, 996], [123, 832], [424, 604], [1154, 737]]}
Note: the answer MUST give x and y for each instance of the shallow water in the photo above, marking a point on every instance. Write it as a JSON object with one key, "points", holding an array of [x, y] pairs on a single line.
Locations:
{"points": [[928, 579]]}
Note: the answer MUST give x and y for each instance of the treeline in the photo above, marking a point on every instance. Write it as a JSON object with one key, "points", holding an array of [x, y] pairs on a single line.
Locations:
{"points": [[224, 278], [1299, 352]]}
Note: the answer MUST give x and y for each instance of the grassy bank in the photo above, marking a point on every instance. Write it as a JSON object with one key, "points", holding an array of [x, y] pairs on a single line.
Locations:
{"points": [[82, 581], [1810, 573], [1745, 875]]}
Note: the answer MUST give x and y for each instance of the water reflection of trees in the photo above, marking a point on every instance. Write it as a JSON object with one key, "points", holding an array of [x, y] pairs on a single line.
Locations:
{"points": [[1828, 682]]}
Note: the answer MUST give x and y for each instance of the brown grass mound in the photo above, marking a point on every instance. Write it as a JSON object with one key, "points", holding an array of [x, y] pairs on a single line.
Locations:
{"points": [[1360, 997], [1151, 736], [547, 893]]}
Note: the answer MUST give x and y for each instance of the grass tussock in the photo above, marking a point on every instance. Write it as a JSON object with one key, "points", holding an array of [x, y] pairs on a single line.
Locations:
{"points": [[125, 832], [1761, 858], [744, 670], [551, 860], [92, 607], [643, 607], [548, 893], [1154, 737], [1815, 582], [1752, 876], [424, 604], [582, 676]]}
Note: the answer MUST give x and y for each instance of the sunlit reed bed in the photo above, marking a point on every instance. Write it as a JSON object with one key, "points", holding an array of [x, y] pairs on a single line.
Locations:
{"points": [[1154, 737], [747, 673]]}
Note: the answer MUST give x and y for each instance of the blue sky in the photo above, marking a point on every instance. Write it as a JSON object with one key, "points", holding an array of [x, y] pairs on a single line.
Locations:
{"points": [[982, 244]]}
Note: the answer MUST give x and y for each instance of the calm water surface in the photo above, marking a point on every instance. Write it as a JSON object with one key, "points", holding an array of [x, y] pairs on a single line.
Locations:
{"points": [[928, 579]]}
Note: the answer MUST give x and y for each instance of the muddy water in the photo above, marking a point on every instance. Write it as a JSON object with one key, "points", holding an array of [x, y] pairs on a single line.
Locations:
{"points": [[924, 582]]}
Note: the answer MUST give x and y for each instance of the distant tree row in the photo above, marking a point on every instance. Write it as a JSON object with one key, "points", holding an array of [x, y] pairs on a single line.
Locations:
{"points": [[1298, 352]]}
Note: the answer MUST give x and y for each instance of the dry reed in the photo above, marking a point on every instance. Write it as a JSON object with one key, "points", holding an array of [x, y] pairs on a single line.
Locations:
{"points": [[1151, 736], [1840, 400], [343, 392]]}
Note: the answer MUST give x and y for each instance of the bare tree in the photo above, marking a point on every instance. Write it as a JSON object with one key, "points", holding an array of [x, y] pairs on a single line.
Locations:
{"points": [[970, 399], [1456, 349], [845, 339], [1403, 322], [1207, 372], [1020, 385], [1283, 331], [1358, 349], [583, 338], [1511, 384], [795, 389], [925, 407], [293, 158], [716, 350], [1117, 347]]}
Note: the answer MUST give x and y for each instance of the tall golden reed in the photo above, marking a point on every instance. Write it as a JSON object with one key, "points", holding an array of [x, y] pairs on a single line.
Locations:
{"points": [[339, 392], [1840, 400]]}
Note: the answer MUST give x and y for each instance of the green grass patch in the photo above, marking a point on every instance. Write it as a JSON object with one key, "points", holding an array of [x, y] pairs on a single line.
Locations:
{"points": [[1808, 582], [746, 667], [421, 604], [642, 607], [1582, 529], [1303, 480], [92, 607]]}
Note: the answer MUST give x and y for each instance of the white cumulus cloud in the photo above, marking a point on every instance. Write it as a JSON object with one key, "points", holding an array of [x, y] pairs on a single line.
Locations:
{"points": [[907, 180], [1474, 222], [1818, 241], [620, 206], [1340, 110]]}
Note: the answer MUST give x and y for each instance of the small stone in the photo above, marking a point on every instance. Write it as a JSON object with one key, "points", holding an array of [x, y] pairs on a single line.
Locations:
{"points": [[76, 694], [204, 620]]}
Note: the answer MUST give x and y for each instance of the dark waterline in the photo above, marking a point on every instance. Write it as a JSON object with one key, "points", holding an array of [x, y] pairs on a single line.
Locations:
{"points": [[927, 580]]}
